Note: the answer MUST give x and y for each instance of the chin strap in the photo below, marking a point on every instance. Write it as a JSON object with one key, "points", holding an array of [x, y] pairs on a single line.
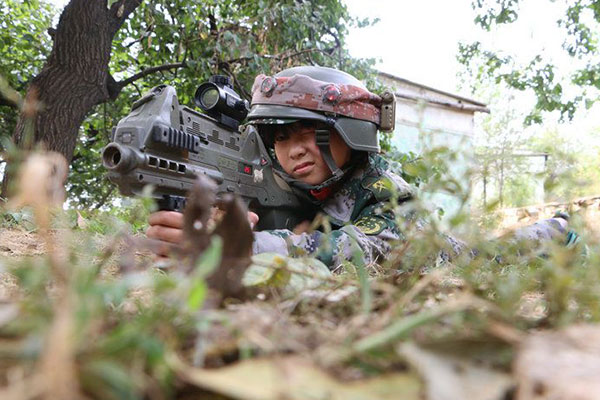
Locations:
{"points": [[322, 141], [314, 193], [307, 187], [322, 138]]}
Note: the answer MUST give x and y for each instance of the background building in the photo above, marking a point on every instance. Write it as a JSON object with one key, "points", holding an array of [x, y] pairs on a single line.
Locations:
{"points": [[427, 118]]}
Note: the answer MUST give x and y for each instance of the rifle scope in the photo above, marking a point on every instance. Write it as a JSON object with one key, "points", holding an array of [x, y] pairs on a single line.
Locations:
{"points": [[218, 99]]}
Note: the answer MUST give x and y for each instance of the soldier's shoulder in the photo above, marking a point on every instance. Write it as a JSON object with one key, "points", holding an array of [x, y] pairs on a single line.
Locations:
{"points": [[382, 178]]}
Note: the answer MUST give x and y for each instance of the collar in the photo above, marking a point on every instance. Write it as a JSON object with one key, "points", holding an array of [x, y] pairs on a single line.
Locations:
{"points": [[321, 194]]}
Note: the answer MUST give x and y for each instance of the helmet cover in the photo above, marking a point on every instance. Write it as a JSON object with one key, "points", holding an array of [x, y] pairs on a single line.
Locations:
{"points": [[305, 92]]}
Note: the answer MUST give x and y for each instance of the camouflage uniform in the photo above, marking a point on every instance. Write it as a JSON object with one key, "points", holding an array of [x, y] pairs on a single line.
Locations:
{"points": [[361, 217], [359, 209], [359, 213]]}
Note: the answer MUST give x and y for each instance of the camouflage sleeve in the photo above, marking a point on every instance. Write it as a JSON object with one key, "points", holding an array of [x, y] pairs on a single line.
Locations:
{"points": [[548, 229], [368, 238]]}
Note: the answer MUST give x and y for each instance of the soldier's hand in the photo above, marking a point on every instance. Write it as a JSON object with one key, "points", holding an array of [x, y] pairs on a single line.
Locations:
{"points": [[253, 219], [166, 226]]}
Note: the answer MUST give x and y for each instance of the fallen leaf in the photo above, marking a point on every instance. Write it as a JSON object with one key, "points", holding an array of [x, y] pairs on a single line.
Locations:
{"points": [[453, 378], [295, 378], [560, 365], [293, 275]]}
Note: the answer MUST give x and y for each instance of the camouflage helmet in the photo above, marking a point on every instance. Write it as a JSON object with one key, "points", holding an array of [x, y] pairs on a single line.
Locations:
{"points": [[323, 95]]}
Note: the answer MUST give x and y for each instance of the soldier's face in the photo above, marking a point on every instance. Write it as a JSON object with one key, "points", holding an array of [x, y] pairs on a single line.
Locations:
{"points": [[297, 152]]}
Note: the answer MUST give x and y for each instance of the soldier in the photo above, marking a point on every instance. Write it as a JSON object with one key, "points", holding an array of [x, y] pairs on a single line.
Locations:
{"points": [[321, 126]]}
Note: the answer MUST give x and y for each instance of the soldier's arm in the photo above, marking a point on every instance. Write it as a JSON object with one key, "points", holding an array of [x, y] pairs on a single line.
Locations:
{"points": [[368, 237]]}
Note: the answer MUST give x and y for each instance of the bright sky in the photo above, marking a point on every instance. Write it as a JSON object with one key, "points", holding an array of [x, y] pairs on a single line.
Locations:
{"points": [[418, 40], [415, 40]]}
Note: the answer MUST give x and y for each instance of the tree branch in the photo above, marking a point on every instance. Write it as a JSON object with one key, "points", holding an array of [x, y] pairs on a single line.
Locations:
{"points": [[105, 197], [283, 56], [8, 102], [113, 87], [119, 12], [150, 71]]}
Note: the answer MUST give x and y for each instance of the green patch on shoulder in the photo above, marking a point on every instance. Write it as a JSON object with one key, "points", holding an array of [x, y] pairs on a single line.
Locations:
{"points": [[371, 225], [380, 186]]}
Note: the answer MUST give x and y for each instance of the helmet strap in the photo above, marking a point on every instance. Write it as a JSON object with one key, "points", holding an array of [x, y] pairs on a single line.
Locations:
{"points": [[322, 138], [302, 189]]}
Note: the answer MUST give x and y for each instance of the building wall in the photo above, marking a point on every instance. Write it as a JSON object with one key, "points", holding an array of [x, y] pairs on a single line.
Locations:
{"points": [[427, 118]]}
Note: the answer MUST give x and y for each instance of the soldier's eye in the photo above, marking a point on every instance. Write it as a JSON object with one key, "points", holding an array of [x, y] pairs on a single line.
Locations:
{"points": [[280, 137]]}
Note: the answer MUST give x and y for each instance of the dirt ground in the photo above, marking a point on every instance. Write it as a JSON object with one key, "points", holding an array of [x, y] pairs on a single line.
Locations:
{"points": [[16, 243]]}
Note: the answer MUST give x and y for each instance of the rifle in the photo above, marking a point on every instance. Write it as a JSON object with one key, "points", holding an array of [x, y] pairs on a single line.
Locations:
{"points": [[166, 145]]}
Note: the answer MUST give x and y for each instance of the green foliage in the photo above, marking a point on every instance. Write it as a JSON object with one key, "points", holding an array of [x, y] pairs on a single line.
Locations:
{"points": [[187, 42], [87, 184], [133, 324], [24, 45], [562, 282], [538, 75], [121, 344], [22, 218], [521, 165], [24, 40], [131, 215], [519, 191], [496, 12], [413, 168], [572, 169], [504, 167]]}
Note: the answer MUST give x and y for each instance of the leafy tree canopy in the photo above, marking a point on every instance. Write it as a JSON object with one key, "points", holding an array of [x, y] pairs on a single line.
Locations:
{"points": [[24, 43], [540, 74], [182, 43]]}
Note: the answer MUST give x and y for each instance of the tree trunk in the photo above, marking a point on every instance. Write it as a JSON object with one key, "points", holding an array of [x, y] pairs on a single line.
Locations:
{"points": [[74, 79]]}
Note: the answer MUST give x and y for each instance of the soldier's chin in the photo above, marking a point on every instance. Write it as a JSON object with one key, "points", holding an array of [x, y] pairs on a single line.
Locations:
{"points": [[307, 178], [311, 179]]}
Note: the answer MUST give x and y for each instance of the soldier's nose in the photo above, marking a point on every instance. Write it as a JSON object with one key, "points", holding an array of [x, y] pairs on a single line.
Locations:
{"points": [[297, 150]]}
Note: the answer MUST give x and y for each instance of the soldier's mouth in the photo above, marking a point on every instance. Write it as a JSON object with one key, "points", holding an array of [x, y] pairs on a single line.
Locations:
{"points": [[304, 168]]}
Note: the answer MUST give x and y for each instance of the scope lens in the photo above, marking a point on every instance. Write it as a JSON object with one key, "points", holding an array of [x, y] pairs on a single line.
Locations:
{"points": [[209, 98]]}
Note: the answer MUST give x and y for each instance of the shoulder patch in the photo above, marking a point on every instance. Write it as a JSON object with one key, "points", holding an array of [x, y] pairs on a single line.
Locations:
{"points": [[371, 225], [380, 186]]}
